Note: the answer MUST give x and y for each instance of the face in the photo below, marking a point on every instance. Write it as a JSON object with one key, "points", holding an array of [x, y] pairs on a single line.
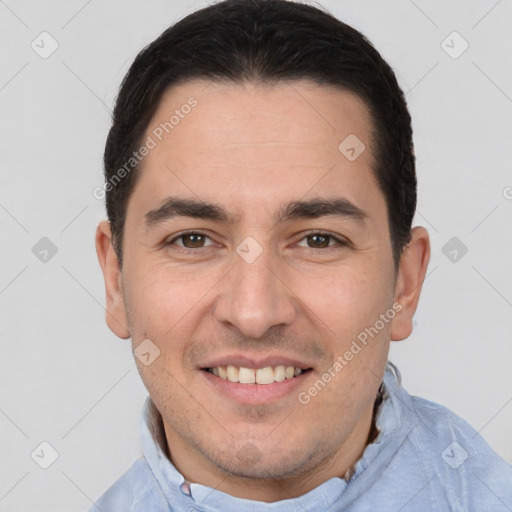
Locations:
{"points": [[256, 253]]}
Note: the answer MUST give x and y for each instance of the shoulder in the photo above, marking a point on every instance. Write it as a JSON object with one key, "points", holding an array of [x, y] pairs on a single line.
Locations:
{"points": [[446, 426], [465, 466], [135, 490]]}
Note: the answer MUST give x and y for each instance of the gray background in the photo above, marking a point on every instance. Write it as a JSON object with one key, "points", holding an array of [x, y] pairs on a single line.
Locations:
{"points": [[67, 380]]}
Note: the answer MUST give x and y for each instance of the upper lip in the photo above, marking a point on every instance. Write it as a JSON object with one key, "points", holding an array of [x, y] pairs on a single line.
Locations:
{"points": [[245, 361]]}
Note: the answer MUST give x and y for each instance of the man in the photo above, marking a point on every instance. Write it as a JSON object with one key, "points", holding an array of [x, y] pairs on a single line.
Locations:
{"points": [[259, 253]]}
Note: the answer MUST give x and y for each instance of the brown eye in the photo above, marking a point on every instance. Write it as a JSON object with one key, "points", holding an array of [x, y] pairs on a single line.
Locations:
{"points": [[318, 240], [194, 239], [190, 240]]}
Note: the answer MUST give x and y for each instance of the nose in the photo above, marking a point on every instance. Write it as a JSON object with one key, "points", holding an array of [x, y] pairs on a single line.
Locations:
{"points": [[254, 296]]}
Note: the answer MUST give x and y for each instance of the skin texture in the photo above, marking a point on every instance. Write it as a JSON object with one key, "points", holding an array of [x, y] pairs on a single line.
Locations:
{"points": [[250, 149]]}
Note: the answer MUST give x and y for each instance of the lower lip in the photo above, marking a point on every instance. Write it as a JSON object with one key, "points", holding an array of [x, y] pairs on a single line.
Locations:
{"points": [[256, 393]]}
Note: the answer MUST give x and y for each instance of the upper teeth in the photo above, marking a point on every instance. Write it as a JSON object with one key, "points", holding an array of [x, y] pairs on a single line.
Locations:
{"points": [[265, 375]]}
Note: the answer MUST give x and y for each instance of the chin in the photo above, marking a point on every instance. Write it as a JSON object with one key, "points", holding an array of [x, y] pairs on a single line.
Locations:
{"points": [[270, 462]]}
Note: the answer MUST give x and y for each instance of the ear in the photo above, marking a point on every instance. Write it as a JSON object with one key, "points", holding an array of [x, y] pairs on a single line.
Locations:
{"points": [[115, 307], [411, 274]]}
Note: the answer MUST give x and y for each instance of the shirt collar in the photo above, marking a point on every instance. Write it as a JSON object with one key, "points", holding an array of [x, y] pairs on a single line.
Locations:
{"points": [[392, 422]]}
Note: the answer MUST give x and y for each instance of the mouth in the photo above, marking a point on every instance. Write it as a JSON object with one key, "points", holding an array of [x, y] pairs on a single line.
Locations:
{"points": [[251, 382], [264, 376]]}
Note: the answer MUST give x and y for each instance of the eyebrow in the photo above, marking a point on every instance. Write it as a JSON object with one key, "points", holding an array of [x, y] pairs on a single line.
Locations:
{"points": [[310, 209]]}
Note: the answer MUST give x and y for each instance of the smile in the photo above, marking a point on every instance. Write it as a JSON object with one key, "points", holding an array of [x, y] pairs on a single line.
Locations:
{"points": [[266, 375]]}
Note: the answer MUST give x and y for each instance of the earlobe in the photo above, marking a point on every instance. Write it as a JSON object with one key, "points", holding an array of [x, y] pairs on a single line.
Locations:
{"points": [[115, 307], [411, 274]]}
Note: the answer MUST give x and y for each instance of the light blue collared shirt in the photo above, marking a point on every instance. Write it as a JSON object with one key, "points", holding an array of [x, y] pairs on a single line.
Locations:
{"points": [[425, 458]]}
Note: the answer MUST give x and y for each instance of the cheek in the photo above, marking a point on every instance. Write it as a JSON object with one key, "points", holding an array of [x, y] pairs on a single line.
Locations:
{"points": [[162, 300], [346, 299]]}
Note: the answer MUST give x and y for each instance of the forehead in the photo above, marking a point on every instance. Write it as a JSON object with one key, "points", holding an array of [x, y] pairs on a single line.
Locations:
{"points": [[248, 145]]}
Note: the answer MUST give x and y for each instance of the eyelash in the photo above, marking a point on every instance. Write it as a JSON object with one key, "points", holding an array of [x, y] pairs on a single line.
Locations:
{"points": [[340, 243]]}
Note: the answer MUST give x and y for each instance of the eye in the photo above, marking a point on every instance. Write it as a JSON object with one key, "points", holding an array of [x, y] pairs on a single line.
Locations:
{"points": [[321, 240], [190, 240]]}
